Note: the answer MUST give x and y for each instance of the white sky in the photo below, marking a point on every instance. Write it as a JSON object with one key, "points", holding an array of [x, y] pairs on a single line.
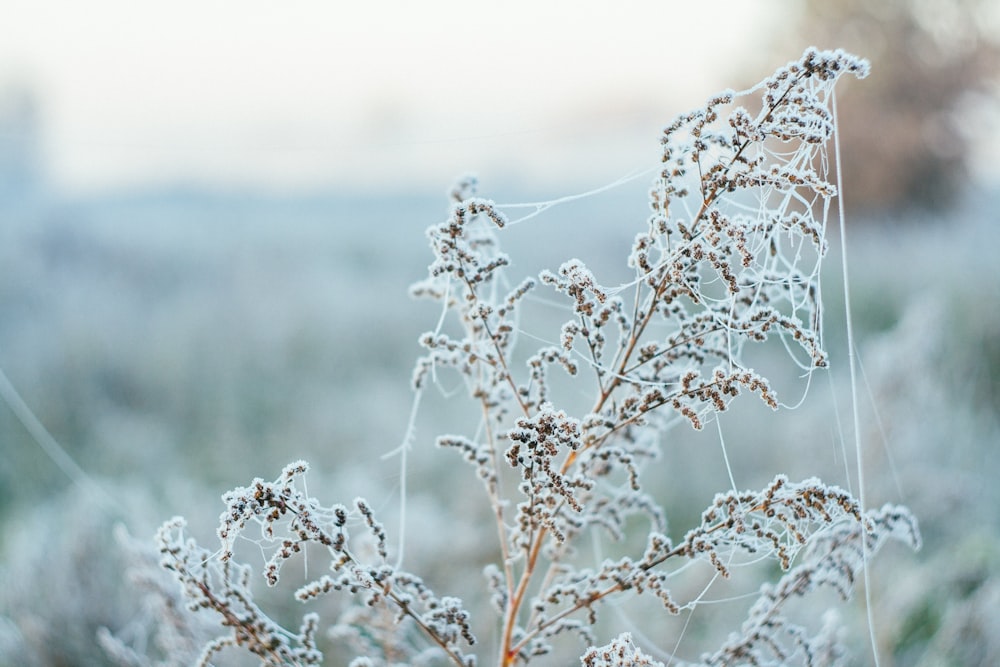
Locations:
{"points": [[368, 94]]}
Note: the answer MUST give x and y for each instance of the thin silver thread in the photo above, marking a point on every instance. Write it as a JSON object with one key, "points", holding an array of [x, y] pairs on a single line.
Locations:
{"points": [[852, 366]]}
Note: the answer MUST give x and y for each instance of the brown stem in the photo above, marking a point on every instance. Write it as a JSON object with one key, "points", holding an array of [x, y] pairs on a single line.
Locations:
{"points": [[639, 326]]}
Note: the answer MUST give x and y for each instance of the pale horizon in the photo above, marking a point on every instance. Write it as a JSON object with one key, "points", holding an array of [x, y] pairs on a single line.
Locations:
{"points": [[379, 95]]}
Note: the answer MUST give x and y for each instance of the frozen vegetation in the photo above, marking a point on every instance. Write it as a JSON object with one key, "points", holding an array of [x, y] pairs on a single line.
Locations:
{"points": [[180, 345]]}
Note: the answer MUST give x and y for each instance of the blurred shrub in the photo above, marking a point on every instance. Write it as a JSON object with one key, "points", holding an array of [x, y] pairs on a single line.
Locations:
{"points": [[907, 135]]}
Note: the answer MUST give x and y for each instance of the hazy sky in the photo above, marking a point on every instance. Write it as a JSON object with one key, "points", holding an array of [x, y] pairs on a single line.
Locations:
{"points": [[315, 93]]}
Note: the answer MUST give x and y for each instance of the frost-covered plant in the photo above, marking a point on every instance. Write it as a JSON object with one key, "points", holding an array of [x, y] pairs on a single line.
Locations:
{"points": [[729, 258]]}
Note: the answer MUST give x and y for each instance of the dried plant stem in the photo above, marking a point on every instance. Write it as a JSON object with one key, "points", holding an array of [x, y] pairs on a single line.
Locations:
{"points": [[714, 284]]}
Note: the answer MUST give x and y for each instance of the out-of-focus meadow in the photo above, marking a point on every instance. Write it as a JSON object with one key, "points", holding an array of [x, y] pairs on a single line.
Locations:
{"points": [[179, 336]]}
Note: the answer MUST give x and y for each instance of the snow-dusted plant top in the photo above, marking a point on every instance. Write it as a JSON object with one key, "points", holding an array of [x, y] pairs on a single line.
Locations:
{"points": [[729, 258]]}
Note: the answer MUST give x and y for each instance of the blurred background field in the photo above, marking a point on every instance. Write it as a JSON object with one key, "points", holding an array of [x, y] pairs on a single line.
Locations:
{"points": [[208, 223]]}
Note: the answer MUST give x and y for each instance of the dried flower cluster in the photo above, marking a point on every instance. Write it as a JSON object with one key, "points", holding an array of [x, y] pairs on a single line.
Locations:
{"points": [[730, 256], [289, 522], [224, 587]]}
